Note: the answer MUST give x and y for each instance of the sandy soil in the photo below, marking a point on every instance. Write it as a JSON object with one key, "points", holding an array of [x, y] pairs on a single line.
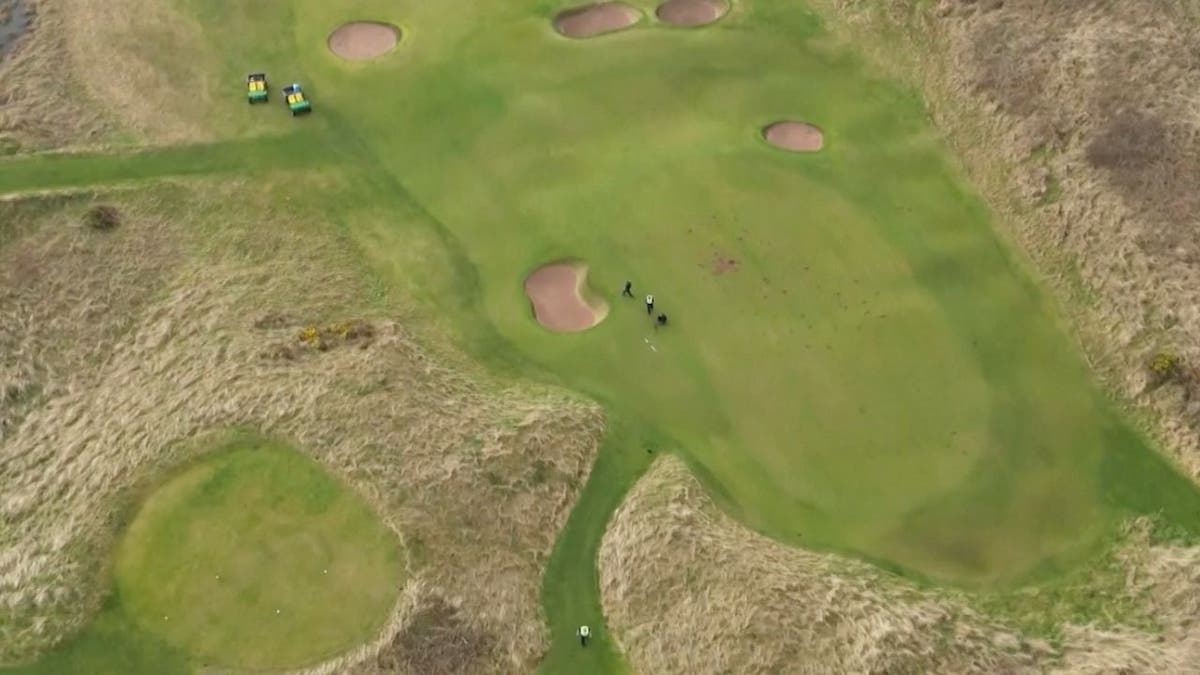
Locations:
{"points": [[691, 12], [363, 40], [595, 19], [554, 290], [794, 136]]}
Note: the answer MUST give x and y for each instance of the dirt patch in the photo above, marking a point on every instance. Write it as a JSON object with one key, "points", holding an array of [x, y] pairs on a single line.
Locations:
{"points": [[794, 136], [363, 40], [723, 263], [436, 640], [596, 19], [691, 12], [557, 293]]}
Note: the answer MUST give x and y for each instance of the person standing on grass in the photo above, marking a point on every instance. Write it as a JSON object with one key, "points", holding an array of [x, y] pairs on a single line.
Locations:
{"points": [[584, 633], [649, 304], [628, 289], [662, 319]]}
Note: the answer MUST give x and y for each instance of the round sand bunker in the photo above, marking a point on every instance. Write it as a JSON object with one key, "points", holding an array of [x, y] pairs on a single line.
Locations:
{"points": [[363, 40], [556, 291], [595, 19], [691, 12], [794, 136]]}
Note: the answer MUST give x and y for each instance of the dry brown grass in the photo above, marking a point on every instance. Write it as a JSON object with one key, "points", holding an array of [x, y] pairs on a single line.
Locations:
{"points": [[115, 49], [37, 108], [126, 343], [687, 589], [1079, 122], [89, 72]]}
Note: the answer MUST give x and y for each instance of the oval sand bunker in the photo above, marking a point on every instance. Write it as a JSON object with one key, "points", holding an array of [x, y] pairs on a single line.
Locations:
{"points": [[557, 293], [363, 40], [794, 136], [691, 12], [595, 19]]}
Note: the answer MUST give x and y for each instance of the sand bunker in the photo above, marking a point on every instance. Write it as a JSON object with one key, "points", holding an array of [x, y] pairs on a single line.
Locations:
{"points": [[363, 40], [595, 19], [557, 293], [794, 136], [691, 12]]}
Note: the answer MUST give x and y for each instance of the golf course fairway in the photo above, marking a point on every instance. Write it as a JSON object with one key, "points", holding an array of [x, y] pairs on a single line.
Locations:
{"points": [[875, 373]]}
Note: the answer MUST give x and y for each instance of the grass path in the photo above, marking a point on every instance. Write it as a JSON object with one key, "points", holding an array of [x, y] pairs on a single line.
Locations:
{"points": [[51, 171]]}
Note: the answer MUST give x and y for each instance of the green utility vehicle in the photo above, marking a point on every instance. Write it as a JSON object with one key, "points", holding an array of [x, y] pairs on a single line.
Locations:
{"points": [[295, 100], [256, 88]]}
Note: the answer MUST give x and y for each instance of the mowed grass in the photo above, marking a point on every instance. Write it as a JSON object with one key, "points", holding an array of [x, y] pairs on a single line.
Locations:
{"points": [[257, 558], [253, 558], [879, 374]]}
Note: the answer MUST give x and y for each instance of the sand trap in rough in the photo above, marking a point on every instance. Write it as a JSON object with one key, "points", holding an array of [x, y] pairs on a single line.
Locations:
{"points": [[691, 12], [795, 136], [595, 19], [363, 40], [556, 291]]}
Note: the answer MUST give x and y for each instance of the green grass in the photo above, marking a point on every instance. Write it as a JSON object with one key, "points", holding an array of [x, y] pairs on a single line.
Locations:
{"points": [[254, 558], [879, 376], [258, 559]]}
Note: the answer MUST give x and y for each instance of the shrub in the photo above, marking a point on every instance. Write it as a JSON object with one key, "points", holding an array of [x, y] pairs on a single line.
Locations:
{"points": [[1164, 365], [102, 217]]}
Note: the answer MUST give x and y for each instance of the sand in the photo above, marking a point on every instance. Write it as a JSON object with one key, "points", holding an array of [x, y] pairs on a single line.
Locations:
{"points": [[691, 12], [794, 136], [363, 40], [554, 290], [595, 19]]}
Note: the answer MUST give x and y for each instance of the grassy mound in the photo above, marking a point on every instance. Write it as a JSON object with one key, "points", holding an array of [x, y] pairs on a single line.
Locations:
{"points": [[258, 559]]}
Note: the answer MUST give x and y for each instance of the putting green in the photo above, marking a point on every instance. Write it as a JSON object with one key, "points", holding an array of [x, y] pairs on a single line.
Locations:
{"points": [[877, 373], [258, 559]]}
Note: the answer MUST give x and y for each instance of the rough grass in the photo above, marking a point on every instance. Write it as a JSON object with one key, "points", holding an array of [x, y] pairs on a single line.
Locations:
{"points": [[86, 73], [1078, 121], [115, 46], [164, 328], [689, 590], [37, 85]]}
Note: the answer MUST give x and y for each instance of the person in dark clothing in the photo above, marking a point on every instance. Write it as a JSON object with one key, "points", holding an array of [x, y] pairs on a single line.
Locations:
{"points": [[628, 289], [649, 304], [662, 319]]}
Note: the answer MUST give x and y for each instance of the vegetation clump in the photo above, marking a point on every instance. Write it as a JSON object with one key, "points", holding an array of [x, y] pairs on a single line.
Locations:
{"points": [[342, 332], [102, 217], [1165, 366]]}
